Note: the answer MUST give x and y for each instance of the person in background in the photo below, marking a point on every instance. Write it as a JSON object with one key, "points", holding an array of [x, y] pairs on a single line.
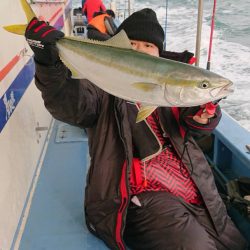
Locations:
{"points": [[102, 26], [149, 185], [111, 13], [85, 20], [92, 6], [83, 2]]}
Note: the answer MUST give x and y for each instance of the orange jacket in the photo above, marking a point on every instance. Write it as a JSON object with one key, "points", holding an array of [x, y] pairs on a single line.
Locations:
{"points": [[92, 6], [98, 23]]}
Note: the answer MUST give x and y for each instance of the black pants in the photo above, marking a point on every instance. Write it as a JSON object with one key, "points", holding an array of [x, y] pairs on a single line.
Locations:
{"points": [[164, 222]]}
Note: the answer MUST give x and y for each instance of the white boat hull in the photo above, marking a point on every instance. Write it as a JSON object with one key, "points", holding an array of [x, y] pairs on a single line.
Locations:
{"points": [[24, 121]]}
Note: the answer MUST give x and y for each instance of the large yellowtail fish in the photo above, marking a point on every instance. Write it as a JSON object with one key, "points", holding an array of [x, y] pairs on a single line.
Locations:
{"points": [[137, 77]]}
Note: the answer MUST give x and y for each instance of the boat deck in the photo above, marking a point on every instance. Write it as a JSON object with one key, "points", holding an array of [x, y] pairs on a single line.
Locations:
{"points": [[56, 218]]}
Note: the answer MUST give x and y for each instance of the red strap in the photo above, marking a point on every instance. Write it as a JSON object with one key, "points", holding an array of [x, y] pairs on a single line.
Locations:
{"points": [[211, 108], [47, 32], [39, 27], [32, 23], [192, 60]]}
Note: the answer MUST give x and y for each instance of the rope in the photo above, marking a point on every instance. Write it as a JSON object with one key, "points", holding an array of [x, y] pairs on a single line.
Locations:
{"points": [[211, 37], [166, 22]]}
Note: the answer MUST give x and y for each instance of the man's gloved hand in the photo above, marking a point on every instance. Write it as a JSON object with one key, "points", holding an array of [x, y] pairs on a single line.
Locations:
{"points": [[42, 40], [184, 56], [201, 118], [206, 112]]}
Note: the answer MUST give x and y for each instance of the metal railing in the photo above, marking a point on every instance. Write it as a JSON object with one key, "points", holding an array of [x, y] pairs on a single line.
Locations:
{"points": [[122, 8]]}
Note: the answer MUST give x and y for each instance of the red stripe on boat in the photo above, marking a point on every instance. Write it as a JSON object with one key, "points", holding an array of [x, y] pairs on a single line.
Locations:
{"points": [[8, 67], [4, 71], [55, 14]]}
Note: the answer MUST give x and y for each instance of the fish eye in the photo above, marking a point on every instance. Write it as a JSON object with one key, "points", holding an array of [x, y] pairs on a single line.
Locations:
{"points": [[204, 84]]}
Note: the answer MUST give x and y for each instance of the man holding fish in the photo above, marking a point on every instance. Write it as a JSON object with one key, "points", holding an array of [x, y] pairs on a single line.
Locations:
{"points": [[149, 185]]}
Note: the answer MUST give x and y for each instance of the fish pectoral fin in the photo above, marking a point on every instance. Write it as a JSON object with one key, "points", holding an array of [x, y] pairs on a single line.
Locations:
{"points": [[144, 112], [145, 86], [18, 29]]}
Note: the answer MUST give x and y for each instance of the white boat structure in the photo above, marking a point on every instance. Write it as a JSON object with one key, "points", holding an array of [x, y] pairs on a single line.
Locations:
{"points": [[43, 162]]}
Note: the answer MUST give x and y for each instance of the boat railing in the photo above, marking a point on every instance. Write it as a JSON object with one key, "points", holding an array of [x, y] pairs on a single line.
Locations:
{"points": [[231, 154], [230, 161], [123, 9]]}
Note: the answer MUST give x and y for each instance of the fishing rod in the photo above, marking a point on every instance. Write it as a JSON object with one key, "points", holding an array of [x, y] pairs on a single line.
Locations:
{"points": [[166, 22], [211, 37], [129, 8], [198, 33]]}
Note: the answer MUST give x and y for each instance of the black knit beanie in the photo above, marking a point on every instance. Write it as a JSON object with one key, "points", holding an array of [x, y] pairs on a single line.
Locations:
{"points": [[143, 26]]}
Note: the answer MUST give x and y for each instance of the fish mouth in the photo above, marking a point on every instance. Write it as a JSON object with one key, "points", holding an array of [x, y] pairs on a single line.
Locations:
{"points": [[222, 92], [182, 100]]}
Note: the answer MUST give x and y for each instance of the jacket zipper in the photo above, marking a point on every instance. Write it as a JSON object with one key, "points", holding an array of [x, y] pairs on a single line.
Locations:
{"points": [[166, 135], [124, 200]]}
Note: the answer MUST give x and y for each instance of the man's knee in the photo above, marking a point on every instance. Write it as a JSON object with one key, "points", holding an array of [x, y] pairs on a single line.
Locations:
{"points": [[178, 241], [231, 238], [166, 235], [195, 238]]}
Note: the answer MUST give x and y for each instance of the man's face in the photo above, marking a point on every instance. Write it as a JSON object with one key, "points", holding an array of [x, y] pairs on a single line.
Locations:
{"points": [[145, 47]]}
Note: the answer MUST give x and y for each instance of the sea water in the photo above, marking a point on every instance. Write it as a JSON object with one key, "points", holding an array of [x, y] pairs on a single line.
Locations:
{"points": [[231, 42]]}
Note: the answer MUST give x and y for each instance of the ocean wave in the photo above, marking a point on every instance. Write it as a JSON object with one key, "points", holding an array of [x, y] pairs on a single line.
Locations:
{"points": [[231, 43]]}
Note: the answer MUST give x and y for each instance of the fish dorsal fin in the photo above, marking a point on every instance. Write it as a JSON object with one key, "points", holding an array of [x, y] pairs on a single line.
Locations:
{"points": [[120, 40]]}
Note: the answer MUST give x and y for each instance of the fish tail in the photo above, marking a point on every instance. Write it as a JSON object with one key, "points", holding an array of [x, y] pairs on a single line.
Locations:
{"points": [[30, 14], [19, 29]]}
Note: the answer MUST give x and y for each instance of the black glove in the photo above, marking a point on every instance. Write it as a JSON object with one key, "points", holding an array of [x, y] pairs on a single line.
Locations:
{"points": [[184, 56], [195, 128], [42, 40]]}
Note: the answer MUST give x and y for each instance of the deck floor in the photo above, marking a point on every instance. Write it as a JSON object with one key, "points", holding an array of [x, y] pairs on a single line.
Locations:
{"points": [[56, 218]]}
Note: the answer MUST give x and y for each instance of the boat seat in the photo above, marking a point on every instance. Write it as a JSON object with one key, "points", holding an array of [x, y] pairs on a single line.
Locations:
{"points": [[80, 30], [56, 218], [79, 23], [77, 11]]}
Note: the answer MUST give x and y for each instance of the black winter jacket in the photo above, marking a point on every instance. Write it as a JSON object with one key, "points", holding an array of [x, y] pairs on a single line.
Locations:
{"points": [[111, 128]]}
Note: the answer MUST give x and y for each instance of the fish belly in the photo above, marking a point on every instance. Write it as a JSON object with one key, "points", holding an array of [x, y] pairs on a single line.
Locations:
{"points": [[113, 80]]}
